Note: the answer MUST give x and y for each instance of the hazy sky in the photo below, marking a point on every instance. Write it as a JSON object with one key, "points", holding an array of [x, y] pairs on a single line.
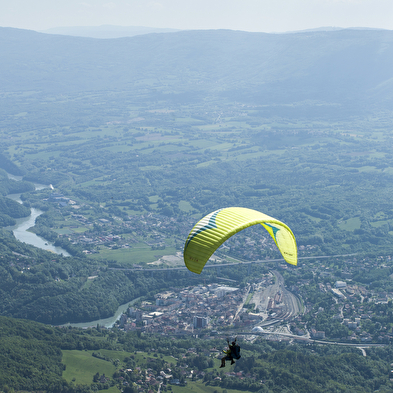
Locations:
{"points": [[248, 15]]}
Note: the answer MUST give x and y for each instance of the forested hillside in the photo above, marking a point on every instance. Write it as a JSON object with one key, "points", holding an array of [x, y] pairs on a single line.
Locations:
{"points": [[35, 357], [37, 285]]}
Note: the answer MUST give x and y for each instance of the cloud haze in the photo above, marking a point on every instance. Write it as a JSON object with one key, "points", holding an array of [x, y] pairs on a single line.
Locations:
{"points": [[248, 15]]}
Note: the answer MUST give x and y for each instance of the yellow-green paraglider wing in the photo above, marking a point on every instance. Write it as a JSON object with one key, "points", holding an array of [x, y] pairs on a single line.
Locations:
{"points": [[215, 228]]}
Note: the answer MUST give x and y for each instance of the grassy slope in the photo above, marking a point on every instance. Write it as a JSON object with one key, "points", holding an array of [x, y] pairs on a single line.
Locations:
{"points": [[81, 366]]}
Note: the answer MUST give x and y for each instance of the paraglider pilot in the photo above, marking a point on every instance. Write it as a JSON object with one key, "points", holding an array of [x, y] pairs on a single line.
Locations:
{"points": [[233, 352]]}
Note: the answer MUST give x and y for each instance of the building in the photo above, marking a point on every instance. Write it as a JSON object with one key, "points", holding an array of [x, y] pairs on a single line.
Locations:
{"points": [[200, 322], [134, 313], [317, 334], [340, 284], [337, 293]]}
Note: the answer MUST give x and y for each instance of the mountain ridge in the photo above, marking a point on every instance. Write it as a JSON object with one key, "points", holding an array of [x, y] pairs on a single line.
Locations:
{"points": [[339, 67], [105, 31]]}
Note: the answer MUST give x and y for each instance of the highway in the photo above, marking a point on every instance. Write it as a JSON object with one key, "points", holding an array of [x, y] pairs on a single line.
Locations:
{"points": [[309, 340], [219, 265]]}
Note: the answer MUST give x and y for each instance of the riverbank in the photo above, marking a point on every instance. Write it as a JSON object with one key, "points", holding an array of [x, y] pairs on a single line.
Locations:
{"points": [[106, 322], [21, 229]]}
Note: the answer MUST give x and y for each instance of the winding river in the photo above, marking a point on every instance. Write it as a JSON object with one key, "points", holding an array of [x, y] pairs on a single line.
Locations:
{"points": [[20, 230], [107, 322]]}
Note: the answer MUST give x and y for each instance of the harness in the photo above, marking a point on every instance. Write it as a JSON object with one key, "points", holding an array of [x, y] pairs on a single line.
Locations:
{"points": [[233, 351], [236, 352]]}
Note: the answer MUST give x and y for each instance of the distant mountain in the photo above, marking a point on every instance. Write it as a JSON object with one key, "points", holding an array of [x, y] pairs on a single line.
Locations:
{"points": [[331, 28], [324, 28], [105, 31], [344, 68]]}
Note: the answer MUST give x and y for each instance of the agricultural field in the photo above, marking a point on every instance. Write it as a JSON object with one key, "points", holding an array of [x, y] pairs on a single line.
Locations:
{"points": [[81, 367]]}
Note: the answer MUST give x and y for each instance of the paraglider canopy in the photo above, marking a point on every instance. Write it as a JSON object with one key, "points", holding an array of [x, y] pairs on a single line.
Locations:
{"points": [[215, 228]]}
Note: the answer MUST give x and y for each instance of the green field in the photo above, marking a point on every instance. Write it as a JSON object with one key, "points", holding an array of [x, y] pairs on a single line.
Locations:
{"points": [[351, 224], [185, 206], [137, 254], [81, 366], [199, 387]]}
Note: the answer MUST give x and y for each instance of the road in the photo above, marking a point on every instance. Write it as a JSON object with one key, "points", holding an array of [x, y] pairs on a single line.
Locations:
{"points": [[243, 301], [311, 341], [219, 265]]}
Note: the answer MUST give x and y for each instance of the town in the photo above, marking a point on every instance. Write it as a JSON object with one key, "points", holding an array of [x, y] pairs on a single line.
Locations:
{"points": [[266, 308], [344, 299]]}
